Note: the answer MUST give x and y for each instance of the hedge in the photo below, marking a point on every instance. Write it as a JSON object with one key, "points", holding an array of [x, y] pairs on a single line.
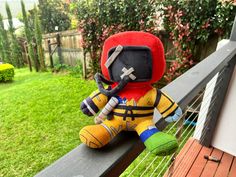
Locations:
{"points": [[6, 72]]}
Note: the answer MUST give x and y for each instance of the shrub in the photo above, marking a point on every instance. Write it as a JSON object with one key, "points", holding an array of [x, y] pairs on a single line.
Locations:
{"points": [[6, 72], [75, 71], [190, 24], [100, 19]]}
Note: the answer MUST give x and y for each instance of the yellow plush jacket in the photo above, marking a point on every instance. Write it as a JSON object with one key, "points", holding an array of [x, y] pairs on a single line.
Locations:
{"points": [[143, 108]]}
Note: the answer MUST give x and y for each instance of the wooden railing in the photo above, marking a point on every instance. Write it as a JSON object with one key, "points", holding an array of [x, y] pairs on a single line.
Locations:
{"points": [[113, 159]]}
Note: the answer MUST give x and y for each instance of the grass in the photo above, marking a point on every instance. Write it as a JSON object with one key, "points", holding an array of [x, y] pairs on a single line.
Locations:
{"points": [[39, 120]]}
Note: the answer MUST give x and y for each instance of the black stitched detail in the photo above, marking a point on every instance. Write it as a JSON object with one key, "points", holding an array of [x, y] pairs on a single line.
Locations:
{"points": [[96, 95], [168, 98], [129, 108], [168, 108], [132, 115], [129, 111], [126, 114], [158, 97], [93, 137], [172, 113]]}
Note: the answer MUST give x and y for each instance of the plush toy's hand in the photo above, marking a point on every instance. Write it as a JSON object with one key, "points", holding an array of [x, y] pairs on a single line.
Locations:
{"points": [[175, 117], [88, 107]]}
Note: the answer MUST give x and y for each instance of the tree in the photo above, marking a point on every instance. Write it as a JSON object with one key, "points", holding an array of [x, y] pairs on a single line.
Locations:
{"points": [[2, 54], [52, 13], [29, 37], [16, 50], [4, 42], [38, 37]]}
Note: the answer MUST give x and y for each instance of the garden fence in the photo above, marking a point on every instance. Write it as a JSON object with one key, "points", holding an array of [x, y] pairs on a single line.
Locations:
{"points": [[72, 51], [71, 48]]}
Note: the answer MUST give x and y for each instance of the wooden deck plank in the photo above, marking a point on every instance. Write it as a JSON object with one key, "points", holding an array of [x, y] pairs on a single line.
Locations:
{"points": [[200, 163], [211, 167], [232, 172], [184, 150], [225, 164], [190, 162], [179, 157], [188, 159]]}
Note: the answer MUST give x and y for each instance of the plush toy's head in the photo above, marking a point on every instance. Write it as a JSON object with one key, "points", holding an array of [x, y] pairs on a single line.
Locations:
{"points": [[130, 59], [140, 50]]}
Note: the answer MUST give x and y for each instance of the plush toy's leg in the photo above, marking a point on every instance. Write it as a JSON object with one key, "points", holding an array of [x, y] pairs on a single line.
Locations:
{"points": [[155, 141], [96, 136]]}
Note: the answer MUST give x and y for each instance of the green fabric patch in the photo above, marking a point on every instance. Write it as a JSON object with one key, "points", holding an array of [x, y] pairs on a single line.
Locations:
{"points": [[161, 144]]}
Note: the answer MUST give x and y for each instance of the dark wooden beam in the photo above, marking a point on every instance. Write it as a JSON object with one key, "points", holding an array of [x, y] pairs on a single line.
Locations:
{"points": [[108, 161]]}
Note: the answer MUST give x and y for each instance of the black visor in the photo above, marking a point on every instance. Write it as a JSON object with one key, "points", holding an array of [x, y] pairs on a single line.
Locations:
{"points": [[138, 57]]}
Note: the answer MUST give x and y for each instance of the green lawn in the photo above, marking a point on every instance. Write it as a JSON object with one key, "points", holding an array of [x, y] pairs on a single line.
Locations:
{"points": [[40, 120]]}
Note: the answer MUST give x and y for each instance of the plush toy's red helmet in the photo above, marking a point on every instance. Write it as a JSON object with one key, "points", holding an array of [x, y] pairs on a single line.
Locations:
{"points": [[132, 57]]}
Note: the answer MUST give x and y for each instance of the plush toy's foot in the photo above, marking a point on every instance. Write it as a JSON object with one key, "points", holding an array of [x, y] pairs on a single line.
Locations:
{"points": [[94, 136], [161, 144]]}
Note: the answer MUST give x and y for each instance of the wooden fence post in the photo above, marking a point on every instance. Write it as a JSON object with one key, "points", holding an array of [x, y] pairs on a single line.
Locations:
{"points": [[50, 53], [59, 52], [84, 65]]}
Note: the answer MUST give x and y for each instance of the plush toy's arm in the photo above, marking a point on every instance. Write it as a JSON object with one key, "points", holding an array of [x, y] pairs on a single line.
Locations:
{"points": [[169, 110], [91, 105]]}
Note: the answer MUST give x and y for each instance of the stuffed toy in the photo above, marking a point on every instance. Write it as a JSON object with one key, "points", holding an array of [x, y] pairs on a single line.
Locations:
{"points": [[131, 61]]}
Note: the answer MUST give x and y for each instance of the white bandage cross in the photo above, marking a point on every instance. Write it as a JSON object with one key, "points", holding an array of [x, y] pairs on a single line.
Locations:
{"points": [[128, 72]]}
